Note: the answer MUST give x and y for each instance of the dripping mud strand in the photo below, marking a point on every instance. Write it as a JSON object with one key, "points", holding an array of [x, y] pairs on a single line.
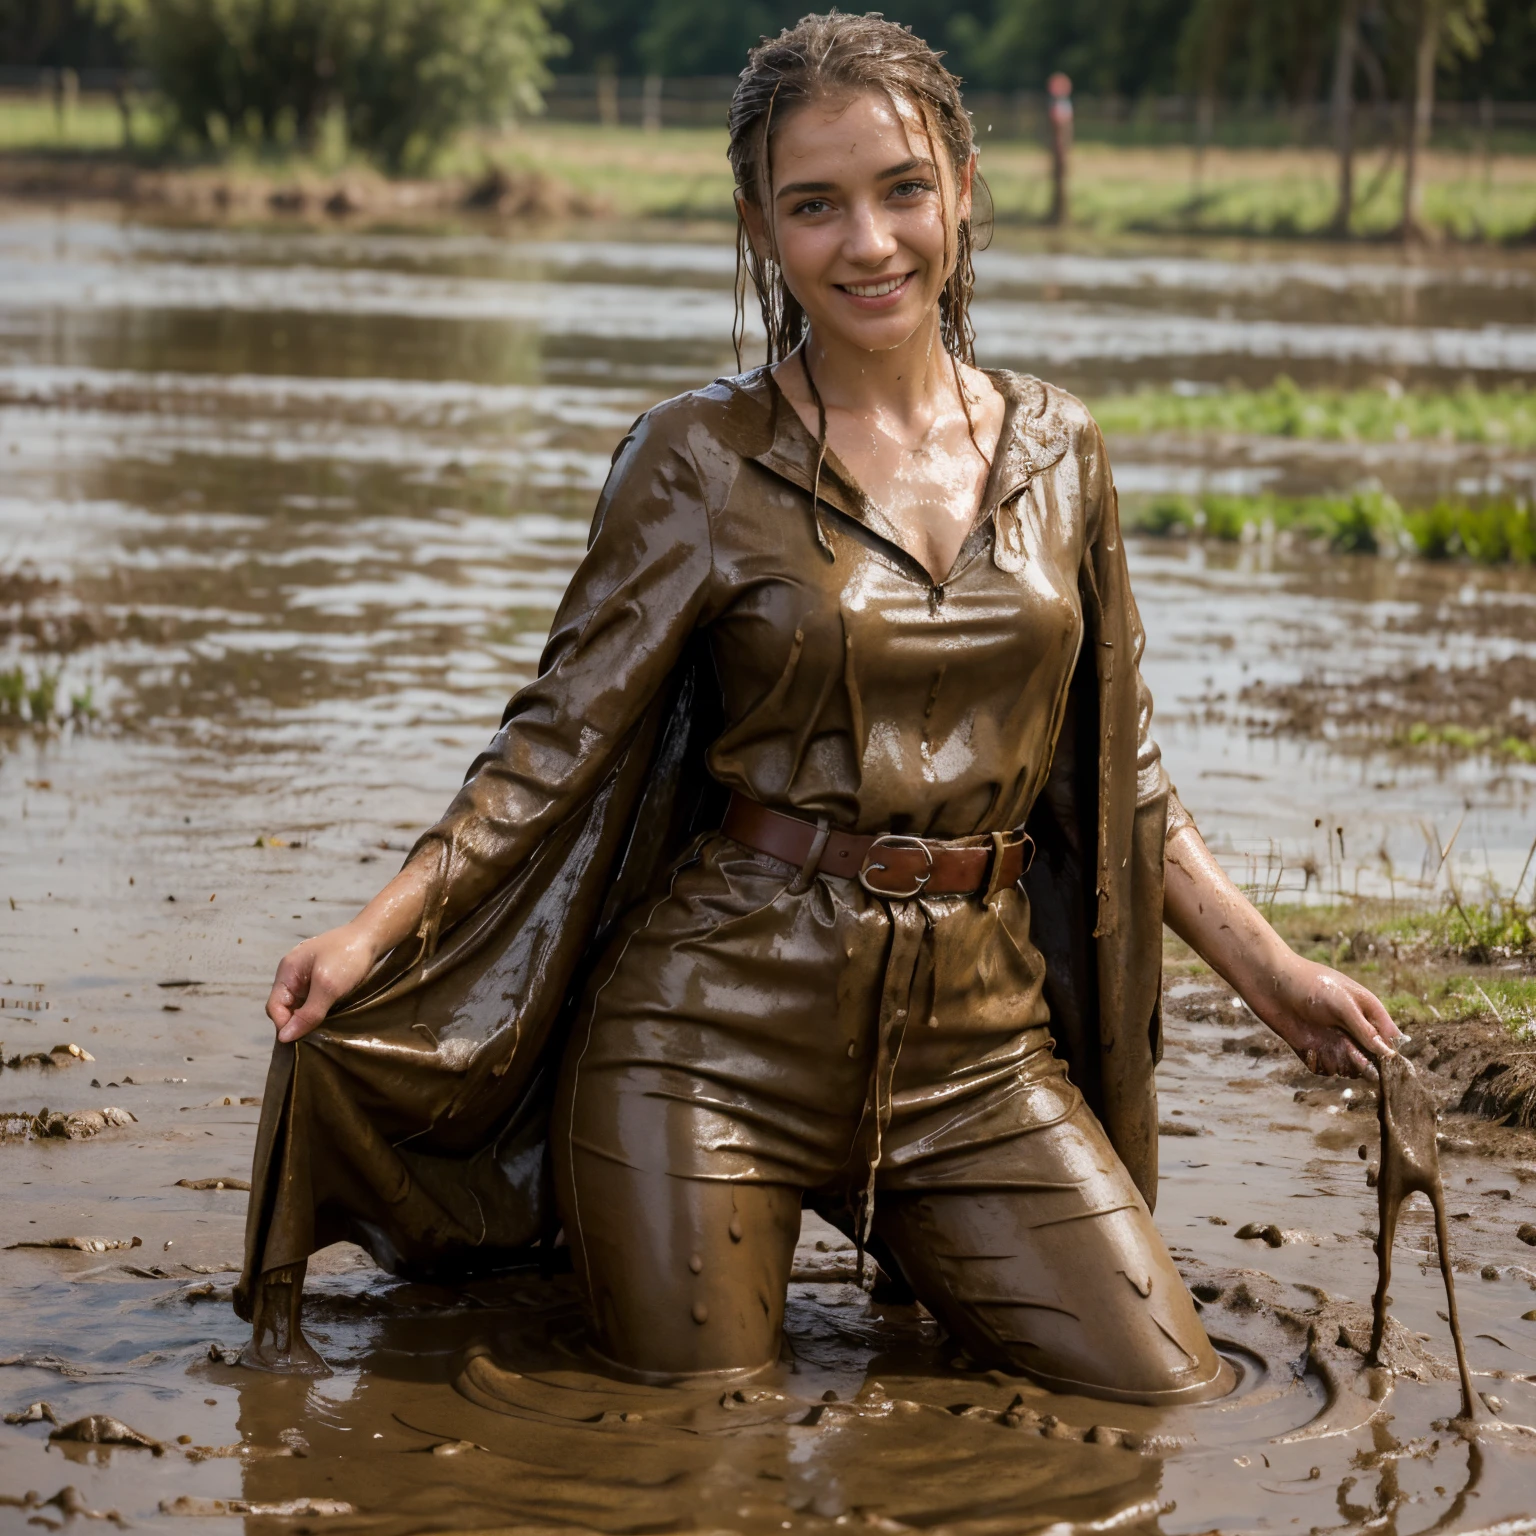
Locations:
{"points": [[1410, 1164]]}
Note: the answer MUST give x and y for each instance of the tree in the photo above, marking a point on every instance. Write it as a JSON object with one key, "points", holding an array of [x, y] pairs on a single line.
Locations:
{"points": [[1504, 73], [56, 34], [406, 74], [698, 37], [412, 73], [1439, 28], [1108, 47], [603, 33], [1342, 110]]}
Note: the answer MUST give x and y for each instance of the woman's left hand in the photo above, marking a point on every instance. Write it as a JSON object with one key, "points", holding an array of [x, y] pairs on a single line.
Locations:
{"points": [[1333, 1023]]}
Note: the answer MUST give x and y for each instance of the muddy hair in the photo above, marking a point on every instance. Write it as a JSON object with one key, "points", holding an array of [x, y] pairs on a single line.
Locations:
{"points": [[837, 55]]}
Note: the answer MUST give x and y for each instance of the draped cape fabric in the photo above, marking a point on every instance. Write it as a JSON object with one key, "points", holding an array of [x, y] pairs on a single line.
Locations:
{"points": [[414, 1121]]}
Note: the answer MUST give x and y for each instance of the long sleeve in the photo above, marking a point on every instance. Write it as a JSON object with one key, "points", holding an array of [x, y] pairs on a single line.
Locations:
{"points": [[1152, 781], [638, 594]]}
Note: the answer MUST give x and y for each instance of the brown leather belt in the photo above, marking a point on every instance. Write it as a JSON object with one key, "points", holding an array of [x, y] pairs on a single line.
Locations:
{"points": [[890, 864]]}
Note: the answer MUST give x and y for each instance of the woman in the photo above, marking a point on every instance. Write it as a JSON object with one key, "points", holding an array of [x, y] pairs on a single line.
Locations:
{"points": [[825, 862]]}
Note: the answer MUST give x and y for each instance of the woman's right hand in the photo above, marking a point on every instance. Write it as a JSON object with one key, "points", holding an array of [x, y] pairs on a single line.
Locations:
{"points": [[314, 975]]}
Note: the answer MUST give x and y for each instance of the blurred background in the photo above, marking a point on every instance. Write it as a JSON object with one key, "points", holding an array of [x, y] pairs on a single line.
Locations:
{"points": [[395, 83]]}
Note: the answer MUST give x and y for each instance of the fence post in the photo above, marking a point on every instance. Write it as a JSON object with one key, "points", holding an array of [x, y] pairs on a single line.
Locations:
{"points": [[1342, 112], [66, 94], [124, 109], [607, 94], [1060, 88], [650, 104], [1421, 116], [1205, 126]]}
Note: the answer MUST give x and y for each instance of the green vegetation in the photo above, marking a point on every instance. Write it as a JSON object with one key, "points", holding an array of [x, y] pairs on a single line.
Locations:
{"points": [[400, 78], [1366, 522], [1497, 533], [1369, 522], [1352, 86], [682, 173], [34, 699], [1420, 958], [1461, 738], [92, 124], [1284, 409], [1271, 50], [1491, 532], [1428, 963]]}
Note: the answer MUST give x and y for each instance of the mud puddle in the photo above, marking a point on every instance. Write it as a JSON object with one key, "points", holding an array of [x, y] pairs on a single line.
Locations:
{"points": [[475, 1407]]}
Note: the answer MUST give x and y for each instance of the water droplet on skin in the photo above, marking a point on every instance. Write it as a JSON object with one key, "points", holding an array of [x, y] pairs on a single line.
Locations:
{"points": [[700, 1312], [696, 1264], [735, 1229]]}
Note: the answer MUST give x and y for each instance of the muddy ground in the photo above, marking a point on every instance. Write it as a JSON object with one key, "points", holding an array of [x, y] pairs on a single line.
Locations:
{"points": [[474, 1406], [1459, 709]]}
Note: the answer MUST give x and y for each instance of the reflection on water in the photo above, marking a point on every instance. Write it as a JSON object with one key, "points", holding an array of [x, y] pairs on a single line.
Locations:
{"points": [[318, 493], [295, 509]]}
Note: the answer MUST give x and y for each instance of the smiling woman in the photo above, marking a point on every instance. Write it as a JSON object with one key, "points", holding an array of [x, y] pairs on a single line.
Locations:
{"points": [[863, 231], [826, 860]]}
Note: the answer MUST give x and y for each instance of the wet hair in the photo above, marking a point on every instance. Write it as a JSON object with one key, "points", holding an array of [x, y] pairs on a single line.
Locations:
{"points": [[836, 55]]}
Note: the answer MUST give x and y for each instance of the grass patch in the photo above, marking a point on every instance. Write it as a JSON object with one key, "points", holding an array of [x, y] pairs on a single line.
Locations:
{"points": [[1501, 532], [31, 123], [1460, 738], [1472, 932], [32, 698], [1427, 963], [1278, 193], [1505, 417], [682, 173]]}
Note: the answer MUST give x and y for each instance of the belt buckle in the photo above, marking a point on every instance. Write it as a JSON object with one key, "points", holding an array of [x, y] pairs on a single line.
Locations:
{"points": [[870, 865]]}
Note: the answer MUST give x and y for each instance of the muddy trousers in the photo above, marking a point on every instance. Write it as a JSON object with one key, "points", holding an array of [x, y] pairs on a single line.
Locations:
{"points": [[695, 1279], [738, 1045]]}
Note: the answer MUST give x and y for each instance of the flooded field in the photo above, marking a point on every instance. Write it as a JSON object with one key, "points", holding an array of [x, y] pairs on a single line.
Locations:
{"points": [[287, 514]]}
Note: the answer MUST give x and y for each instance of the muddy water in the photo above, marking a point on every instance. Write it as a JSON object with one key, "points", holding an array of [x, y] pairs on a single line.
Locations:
{"points": [[296, 509]]}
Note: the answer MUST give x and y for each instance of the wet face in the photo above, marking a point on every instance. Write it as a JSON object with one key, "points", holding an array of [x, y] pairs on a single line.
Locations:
{"points": [[858, 218]]}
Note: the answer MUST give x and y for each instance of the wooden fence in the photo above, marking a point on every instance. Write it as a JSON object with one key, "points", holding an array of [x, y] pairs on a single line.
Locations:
{"points": [[655, 102]]}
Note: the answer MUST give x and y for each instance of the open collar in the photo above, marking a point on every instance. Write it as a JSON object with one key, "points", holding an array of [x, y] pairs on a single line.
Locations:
{"points": [[770, 432]]}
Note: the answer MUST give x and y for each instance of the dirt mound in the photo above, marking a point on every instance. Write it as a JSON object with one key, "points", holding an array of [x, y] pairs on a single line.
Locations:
{"points": [[1455, 708], [527, 195], [1474, 1066], [1504, 1091]]}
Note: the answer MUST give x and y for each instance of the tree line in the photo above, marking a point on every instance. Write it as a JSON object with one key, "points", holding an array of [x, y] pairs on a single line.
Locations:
{"points": [[1265, 50], [405, 76]]}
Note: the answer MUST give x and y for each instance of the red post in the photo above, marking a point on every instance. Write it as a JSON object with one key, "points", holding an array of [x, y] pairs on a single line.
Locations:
{"points": [[1060, 88]]}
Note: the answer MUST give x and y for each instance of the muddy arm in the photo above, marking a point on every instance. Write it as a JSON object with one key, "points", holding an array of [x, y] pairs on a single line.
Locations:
{"points": [[1332, 1022]]}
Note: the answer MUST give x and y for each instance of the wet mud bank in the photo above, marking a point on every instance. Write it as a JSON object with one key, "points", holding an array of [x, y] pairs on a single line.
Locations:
{"points": [[208, 192], [1429, 708]]}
